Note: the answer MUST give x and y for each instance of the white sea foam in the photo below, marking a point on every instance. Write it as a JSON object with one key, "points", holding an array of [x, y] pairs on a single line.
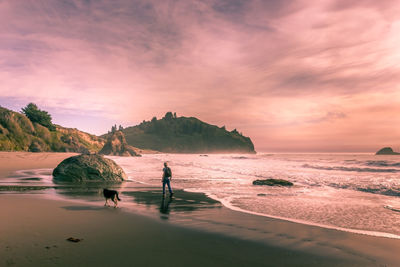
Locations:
{"points": [[227, 203]]}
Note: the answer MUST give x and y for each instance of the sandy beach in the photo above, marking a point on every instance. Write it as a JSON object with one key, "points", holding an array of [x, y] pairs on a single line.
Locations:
{"points": [[192, 231], [12, 161]]}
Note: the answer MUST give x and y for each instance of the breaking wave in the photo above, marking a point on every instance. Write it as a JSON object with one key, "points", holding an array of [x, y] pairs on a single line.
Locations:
{"points": [[382, 163], [348, 169]]}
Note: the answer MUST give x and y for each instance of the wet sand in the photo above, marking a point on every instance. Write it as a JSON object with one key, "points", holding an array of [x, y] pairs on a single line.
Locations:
{"points": [[147, 230], [36, 229]]}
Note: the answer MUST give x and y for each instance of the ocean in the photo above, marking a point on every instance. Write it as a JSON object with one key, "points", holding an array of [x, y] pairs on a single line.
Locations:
{"points": [[349, 192]]}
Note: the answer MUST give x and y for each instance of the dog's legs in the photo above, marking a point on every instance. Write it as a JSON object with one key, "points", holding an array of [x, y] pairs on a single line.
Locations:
{"points": [[106, 204], [115, 201]]}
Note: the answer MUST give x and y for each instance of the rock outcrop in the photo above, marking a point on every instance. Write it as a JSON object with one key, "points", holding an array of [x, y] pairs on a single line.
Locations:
{"points": [[88, 168], [386, 151], [116, 145], [273, 182]]}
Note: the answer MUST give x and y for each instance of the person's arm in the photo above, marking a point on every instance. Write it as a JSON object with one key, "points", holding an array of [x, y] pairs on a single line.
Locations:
{"points": [[163, 175], [170, 172]]}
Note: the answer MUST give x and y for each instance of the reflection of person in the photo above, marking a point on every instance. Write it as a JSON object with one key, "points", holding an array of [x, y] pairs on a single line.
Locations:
{"points": [[166, 179], [164, 208]]}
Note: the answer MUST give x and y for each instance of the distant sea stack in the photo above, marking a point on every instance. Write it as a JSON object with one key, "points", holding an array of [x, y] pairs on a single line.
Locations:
{"points": [[386, 151], [173, 134], [116, 145]]}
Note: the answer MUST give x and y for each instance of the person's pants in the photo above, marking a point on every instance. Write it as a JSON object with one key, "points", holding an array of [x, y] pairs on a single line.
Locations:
{"points": [[168, 182]]}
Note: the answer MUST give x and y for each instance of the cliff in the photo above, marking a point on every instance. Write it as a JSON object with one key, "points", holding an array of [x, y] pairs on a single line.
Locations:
{"points": [[18, 133]]}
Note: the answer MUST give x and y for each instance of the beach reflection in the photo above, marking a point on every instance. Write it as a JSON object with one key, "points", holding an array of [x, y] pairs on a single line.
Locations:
{"points": [[134, 195], [165, 202], [182, 201]]}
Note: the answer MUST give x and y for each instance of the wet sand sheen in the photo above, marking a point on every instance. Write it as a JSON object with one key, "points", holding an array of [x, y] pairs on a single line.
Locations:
{"points": [[36, 230]]}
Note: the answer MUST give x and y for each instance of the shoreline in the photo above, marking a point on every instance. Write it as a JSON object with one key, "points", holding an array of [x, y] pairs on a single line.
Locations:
{"points": [[309, 245], [303, 222]]}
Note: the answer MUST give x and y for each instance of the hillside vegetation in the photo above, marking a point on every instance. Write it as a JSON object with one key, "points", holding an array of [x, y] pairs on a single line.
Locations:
{"points": [[174, 134], [19, 133]]}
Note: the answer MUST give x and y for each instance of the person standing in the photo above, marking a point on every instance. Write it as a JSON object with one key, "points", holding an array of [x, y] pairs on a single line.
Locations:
{"points": [[166, 179]]}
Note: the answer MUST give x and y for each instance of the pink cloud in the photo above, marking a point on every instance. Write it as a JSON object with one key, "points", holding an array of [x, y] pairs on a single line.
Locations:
{"points": [[283, 72]]}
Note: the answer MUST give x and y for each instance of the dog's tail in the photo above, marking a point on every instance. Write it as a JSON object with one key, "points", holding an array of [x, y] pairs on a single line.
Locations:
{"points": [[118, 197]]}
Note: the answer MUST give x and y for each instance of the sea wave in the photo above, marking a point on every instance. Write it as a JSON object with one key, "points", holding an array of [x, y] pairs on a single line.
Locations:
{"points": [[265, 155], [382, 190], [241, 157], [382, 163], [348, 169], [395, 192]]}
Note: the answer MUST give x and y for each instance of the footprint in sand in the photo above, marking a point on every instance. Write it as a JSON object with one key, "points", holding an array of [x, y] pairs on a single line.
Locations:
{"points": [[10, 262]]}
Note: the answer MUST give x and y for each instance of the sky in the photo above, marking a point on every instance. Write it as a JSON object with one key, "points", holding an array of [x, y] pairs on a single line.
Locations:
{"points": [[295, 76]]}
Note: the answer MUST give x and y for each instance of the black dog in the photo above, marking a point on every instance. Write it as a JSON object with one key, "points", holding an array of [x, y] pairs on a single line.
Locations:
{"points": [[111, 194]]}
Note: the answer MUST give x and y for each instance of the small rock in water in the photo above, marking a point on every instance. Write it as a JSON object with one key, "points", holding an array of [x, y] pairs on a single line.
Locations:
{"points": [[272, 182], [261, 195], [75, 240]]}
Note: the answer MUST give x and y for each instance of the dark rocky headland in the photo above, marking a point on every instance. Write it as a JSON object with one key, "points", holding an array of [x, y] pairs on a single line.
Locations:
{"points": [[173, 134]]}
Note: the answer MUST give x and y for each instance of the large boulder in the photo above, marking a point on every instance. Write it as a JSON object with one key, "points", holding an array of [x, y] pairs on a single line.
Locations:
{"points": [[116, 145], [273, 182], [386, 151], [88, 168]]}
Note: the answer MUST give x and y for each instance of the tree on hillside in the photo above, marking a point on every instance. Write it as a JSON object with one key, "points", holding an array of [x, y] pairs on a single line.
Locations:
{"points": [[168, 116], [42, 117], [114, 128]]}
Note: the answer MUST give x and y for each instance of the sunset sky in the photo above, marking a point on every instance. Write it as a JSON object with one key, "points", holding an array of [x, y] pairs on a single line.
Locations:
{"points": [[295, 76]]}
